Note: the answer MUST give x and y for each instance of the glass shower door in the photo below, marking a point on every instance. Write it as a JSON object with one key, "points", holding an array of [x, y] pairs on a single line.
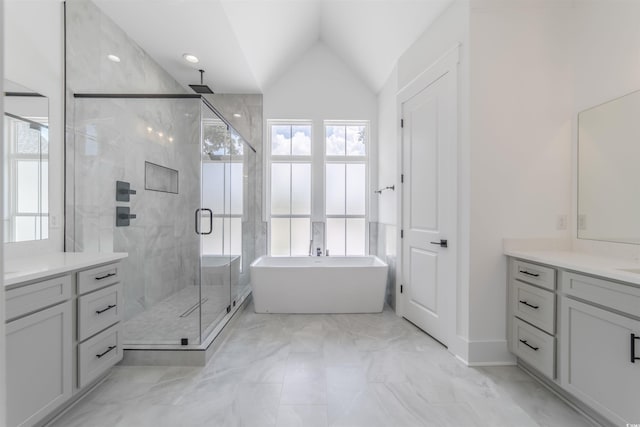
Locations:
{"points": [[214, 220]]}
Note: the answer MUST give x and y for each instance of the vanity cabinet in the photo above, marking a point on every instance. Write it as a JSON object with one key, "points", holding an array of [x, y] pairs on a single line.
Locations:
{"points": [[62, 336], [580, 334]]}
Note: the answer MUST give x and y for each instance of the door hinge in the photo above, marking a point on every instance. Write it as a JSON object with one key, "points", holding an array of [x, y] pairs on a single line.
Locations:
{"points": [[402, 234], [401, 123], [401, 178], [401, 289], [228, 309]]}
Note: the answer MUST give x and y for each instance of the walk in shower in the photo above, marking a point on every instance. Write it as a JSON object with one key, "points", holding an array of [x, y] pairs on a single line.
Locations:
{"points": [[166, 179]]}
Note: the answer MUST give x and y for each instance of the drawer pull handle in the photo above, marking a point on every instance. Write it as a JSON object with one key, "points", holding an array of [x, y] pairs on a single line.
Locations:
{"points": [[529, 345], [535, 307], [106, 351], [529, 274], [109, 307], [106, 276], [634, 337]]}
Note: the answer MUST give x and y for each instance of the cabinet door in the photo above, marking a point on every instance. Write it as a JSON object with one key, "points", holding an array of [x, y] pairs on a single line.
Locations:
{"points": [[596, 360], [38, 364]]}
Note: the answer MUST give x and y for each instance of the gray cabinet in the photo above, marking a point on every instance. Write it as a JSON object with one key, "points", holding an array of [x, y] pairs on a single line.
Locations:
{"points": [[62, 335], [578, 338], [596, 360], [39, 359]]}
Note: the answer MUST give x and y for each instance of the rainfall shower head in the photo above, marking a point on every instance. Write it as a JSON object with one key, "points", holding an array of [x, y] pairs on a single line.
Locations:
{"points": [[201, 88]]}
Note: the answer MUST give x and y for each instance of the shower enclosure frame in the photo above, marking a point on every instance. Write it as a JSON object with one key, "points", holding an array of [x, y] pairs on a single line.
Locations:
{"points": [[207, 333]]}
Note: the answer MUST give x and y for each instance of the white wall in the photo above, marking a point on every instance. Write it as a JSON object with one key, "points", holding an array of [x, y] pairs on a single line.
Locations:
{"points": [[388, 147], [33, 57], [607, 65], [450, 29], [320, 87], [521, 103]]}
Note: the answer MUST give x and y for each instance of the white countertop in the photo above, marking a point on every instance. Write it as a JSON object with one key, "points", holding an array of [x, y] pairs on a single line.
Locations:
{"points": [[26, 269], [610, 268]]}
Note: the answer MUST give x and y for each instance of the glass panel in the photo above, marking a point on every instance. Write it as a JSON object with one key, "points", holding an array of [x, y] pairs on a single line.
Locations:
{"points": [[280, 236], [280, 188], [45, 227], [355, 140], [301, 188], [28, 176], [335, 140], [280, 140], [356, 192], [335, 188], [356, 236], [213, 188], [300, 236], [335, 236], [301, 140], [236, 188], [212, 243]]}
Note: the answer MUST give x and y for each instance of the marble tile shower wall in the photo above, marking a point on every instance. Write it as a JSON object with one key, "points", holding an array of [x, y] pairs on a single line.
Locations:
{"points": [[112, 143], [382, 243], [106, 141]]}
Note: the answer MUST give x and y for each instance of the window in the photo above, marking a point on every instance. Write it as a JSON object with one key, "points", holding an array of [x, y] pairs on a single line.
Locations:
{"points": [[222, 189], [345, 187], [295, 171], [290, 188], [26, 202]]}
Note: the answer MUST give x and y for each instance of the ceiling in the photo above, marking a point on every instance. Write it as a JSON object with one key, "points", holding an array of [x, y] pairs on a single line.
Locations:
{"points": [[245, 45]]}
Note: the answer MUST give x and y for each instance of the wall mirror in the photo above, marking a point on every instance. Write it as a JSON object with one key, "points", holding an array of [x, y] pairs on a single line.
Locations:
{"points": [[609, 171], [26, 164]]}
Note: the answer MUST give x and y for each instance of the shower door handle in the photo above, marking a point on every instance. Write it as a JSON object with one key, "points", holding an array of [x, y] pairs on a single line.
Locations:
{"points": [[198, 221]]}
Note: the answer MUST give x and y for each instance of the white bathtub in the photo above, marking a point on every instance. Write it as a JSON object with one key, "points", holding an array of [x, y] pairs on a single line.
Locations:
{"points": [[318, 284]]}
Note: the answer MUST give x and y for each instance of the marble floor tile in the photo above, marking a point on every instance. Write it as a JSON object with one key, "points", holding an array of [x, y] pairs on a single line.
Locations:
{"points": [[363, 370], [302, 416]]}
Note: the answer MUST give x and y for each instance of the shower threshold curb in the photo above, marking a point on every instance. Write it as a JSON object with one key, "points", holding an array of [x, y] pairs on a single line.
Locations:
{"points": [[175, 355]]}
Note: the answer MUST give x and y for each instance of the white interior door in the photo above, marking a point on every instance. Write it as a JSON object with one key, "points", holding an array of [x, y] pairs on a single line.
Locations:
{"points": [[429, 205]]}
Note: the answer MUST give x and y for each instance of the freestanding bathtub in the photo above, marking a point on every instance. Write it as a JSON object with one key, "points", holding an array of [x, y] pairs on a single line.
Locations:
{"points": [[318, 284]]}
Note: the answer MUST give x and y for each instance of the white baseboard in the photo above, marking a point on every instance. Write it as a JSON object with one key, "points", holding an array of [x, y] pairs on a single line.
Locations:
{"points": [[486, 353]]}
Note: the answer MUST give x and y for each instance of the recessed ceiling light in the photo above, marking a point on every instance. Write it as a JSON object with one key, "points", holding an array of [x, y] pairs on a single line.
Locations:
{"points": [[170, 139], [149, 129], [190, 58], [237, 115], [113, 58], [160, 134]]}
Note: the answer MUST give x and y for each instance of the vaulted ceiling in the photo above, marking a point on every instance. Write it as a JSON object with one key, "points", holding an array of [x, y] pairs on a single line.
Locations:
{"points": [[245, 45]]}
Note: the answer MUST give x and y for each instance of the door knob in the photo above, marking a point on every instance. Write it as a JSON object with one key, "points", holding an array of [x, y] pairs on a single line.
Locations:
{"points": [[442, 243]]}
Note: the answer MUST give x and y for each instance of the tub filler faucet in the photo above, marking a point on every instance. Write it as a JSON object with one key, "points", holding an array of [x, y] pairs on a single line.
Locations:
{"points": [[318, 252]]}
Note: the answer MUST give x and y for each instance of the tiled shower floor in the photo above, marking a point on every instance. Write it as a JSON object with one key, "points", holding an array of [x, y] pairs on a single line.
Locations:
{"points": [[163, 324]]}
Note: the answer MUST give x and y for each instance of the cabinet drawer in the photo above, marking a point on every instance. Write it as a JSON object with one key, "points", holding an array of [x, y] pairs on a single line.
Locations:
{"points": [[98, 310], [534, 274], [99, 277], [30, 298], [618, 296], [98, 354], [534, 347], [536, 306]]}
